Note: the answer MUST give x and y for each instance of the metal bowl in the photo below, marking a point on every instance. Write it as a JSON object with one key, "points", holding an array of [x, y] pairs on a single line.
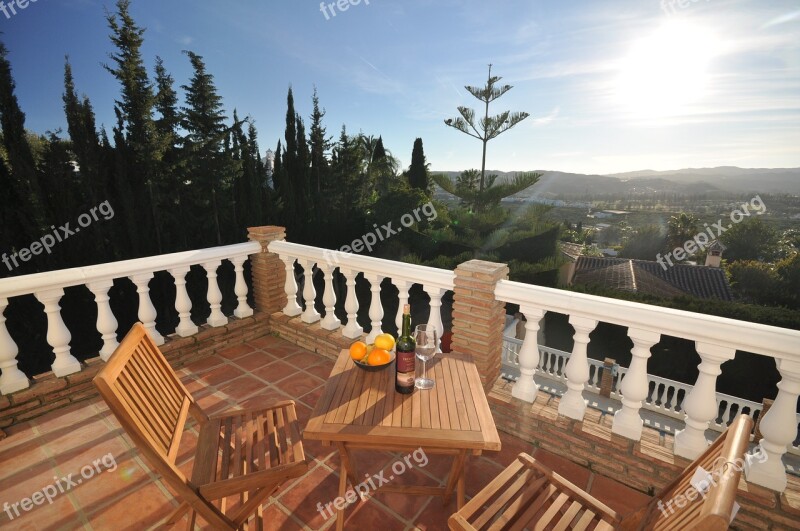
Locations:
{"points": [[376, 368]]}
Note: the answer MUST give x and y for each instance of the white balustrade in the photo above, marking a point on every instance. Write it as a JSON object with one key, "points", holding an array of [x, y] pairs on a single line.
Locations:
{"points": [[375, 306], [11, 378], [147, 312], [572, 404], [330, 321], [435, 316], [627, 421], [353, 330], [779, 428], [49, 288], [214, 297], [106, 322], [701, 404], [240, 288], [183, 304], [525, 388], [310, 314], [58, 335]]}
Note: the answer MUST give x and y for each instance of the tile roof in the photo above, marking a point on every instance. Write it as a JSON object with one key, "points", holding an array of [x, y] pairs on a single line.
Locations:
{"points": [[641, 276]]}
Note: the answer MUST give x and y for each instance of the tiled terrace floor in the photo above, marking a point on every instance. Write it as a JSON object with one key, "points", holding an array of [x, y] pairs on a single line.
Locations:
{"points": [[132, 496]]}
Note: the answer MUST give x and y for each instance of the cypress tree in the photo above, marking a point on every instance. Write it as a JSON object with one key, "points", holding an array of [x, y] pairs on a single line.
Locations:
{"points": [[418, 171]]}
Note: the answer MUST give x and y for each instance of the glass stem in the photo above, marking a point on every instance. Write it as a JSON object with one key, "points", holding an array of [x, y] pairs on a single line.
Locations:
{"points": [[423, 369]]}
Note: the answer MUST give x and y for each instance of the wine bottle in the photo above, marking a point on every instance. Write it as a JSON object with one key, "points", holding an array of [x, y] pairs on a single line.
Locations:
{"points": [[404, 365]]}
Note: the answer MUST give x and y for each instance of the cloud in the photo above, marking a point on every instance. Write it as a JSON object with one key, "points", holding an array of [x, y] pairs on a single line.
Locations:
{"points": [[545, 120], [185, 40]]}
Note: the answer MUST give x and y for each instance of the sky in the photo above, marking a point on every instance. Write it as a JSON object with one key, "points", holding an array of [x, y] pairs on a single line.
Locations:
{"points": [[610, 86]]}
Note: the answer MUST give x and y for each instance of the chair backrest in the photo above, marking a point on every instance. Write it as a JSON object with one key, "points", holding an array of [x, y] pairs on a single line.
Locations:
{"points": [[682, 506], [143, 391]]}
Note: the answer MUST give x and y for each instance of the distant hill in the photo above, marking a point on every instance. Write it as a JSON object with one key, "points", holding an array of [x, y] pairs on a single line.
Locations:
{"points": [[691, 182]]}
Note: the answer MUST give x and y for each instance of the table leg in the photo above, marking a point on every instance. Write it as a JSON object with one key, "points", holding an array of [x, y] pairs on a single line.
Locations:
{"points": [[348, 464], [460, 489], [455, 475], [342, 489]]}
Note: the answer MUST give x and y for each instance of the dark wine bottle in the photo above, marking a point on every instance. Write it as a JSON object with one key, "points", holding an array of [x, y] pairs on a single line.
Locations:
{"points": [[404, 365]]}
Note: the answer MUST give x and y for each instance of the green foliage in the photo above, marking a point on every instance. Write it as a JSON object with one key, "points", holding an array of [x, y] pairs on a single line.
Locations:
{"points": [[752, 239], [680, 229], [476, 198], [753, 281], [645, 244], [418, 171]]}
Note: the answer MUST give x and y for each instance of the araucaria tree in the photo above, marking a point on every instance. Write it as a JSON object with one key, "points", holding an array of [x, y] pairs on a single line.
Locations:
{"points": [[490, 126]]}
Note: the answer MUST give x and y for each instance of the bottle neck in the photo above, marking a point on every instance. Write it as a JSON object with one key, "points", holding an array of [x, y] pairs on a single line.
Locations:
{"points": [[406, 325]]}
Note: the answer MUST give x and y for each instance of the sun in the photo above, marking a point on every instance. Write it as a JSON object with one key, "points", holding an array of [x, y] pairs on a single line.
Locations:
{"points": [[667, 70]]}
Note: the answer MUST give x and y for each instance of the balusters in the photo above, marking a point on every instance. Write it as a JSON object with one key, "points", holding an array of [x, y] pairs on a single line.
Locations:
{"points": [[291, 309], [217, 318], [147, 312], [58, 335], [572, 404], [11, 378], [106, 322], [240, 288], [402, 289], [779, 428], [375, 306], [701, 403], [627, 421], [352, 330], [330, 322], [435, 317], [310, 314], [525, 388], [183, 304]]}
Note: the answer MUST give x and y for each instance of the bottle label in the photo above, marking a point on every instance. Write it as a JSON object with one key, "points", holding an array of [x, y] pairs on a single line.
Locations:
{"points": [[405, 369]]}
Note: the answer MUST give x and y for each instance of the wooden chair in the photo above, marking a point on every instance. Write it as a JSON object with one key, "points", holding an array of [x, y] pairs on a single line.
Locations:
{"points": [[528, 495], [247, 453]]}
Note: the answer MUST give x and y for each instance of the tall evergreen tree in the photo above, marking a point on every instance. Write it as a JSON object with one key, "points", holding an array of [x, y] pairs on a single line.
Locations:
{"points": [[319, 145], [135, 120], [488, 127], [19, 155], [418, 171], [204, 122]]}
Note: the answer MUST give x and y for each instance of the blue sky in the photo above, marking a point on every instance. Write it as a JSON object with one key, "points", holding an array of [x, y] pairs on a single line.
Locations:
{"points": [[611, 86]]}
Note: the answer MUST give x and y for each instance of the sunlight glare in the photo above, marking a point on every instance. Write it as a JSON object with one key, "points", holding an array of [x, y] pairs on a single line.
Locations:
{"points": [[667, 70]]}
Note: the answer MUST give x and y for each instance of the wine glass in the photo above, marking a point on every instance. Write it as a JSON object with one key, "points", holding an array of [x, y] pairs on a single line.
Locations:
{"points": [[427, 338]]}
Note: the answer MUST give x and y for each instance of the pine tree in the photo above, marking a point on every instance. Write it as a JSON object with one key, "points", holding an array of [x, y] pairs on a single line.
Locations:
{"points": [[210, 169], [319, 145], [135, 121], [418, 171], [19, 156], [489, 127]]}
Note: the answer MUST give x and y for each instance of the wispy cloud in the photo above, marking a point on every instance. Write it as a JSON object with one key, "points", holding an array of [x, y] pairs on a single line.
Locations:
{"points": [[549, 118]]}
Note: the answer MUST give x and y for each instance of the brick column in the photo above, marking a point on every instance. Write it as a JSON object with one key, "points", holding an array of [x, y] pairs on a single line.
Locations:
{"points": [[478, 318], [607, 379], [269, 272]]}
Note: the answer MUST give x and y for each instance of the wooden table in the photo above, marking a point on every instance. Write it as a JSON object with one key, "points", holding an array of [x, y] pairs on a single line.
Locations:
{"points": [[360, 410]]}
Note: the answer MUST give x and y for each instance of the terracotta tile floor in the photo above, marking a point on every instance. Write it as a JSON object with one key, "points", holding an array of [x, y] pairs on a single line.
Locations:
{"points": [[123, 492]]}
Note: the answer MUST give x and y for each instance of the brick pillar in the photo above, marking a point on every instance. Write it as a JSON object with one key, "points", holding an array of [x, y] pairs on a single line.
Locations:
{"points": [[269, 272], [607, 379], [479, 318]]}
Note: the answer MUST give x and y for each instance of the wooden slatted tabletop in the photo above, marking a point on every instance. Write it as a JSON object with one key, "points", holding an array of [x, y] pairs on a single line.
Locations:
{"points": [[361, 410], [363, 407]]}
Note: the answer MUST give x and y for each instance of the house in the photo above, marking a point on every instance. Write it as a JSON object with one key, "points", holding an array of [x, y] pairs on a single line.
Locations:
{"points": [[642, 276]]}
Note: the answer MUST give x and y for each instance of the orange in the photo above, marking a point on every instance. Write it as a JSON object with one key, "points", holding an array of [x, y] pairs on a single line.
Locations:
{"points": [[379, 357], [358, 350], [384, 341]]}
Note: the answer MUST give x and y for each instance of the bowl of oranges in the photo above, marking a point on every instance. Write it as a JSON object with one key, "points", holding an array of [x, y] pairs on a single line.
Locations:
{"points": [[374, 357]]}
